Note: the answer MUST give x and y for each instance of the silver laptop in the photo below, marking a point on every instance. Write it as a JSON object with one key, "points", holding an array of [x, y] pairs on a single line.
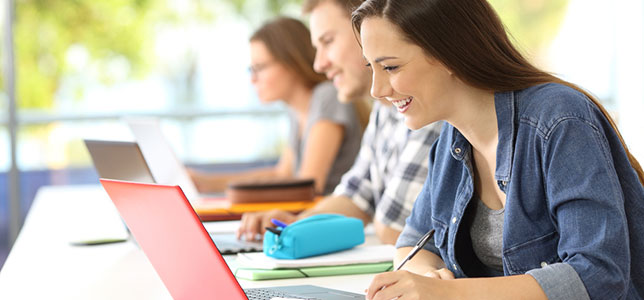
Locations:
{"points": [[119, 160], [164, 164], [124, 161]]}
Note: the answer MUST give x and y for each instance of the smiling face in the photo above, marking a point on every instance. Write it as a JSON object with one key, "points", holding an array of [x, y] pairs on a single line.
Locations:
{"points": [[338, 53], [271, 79], [404, 75]]}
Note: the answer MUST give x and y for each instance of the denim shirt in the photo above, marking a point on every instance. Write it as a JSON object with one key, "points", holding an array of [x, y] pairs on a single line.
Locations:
{"points": [[573, 201]]}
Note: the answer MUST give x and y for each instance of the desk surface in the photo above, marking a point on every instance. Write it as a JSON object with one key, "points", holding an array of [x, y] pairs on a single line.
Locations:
{"points": [[44, 265]]}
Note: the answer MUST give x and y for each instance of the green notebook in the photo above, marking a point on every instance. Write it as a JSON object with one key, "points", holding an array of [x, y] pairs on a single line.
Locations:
{"points": [[263, 274]]}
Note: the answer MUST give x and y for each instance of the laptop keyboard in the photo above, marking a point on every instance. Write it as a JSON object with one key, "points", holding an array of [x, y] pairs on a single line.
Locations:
{"points": [[229, 244], [267, 294]]}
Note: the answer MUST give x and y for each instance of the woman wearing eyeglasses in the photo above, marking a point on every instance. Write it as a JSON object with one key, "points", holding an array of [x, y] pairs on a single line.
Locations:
{"points": [[325, 134]]}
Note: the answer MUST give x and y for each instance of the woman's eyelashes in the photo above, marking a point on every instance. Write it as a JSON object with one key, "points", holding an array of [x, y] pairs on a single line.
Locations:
{"points": [[384, 68], [389, 68]]}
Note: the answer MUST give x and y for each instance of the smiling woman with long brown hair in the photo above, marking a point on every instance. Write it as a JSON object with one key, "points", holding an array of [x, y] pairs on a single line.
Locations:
{"points": [[531, 190]]}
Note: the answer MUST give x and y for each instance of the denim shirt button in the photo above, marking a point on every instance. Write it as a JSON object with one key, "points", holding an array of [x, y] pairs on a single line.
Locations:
{"points": [[454, 266], [454, 220], [544, 264], [457, 150], [504, 183]]}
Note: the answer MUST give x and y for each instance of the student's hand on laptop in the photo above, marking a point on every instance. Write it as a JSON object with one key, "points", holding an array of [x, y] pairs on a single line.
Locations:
{"points": [[254, 224]]}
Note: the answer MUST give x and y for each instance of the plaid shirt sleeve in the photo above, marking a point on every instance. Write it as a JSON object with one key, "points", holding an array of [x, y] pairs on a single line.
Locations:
{"points": [[408, 178], [356, 183], [389, 197]]}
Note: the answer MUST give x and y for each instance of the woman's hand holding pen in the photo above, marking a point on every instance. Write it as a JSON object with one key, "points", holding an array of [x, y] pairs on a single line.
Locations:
{"points": [[403, 284], [407, 285], [442, 273]]}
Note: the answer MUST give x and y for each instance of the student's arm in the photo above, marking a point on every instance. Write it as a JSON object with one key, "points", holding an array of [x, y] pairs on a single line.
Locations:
{"points": [[253, 224], [217, 182], [589, 213], [408, 285], [339, 205], [323, 143], [425, 277], [423, 263], [385, 233]]}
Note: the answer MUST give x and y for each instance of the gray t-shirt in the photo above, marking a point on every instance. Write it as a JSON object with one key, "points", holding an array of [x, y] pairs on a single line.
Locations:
{"points": [[487, 237], [325, 106]]}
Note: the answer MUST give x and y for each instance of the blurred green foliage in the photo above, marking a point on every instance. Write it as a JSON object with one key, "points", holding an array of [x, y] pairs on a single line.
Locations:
{"points": [[532, 23], [274, 7], [45, 30]]}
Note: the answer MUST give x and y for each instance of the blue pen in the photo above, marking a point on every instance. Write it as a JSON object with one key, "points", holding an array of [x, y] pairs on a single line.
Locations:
{"points": [[279, 223]]}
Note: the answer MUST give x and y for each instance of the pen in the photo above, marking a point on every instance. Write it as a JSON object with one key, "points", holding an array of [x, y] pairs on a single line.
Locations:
{"points": [[273, 230], [278, 223], [421, 243]]}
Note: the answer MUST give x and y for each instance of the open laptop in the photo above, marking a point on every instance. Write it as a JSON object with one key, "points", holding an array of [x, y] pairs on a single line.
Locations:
{"points": [[180, 250], [124, 161], [164, 164], [119, 160]]}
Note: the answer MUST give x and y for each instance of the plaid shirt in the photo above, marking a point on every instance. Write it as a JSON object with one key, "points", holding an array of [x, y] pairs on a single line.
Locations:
{"points": [[391, 167]]}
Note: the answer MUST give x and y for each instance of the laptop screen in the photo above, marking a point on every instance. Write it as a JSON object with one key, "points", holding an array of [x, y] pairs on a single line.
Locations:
{"points": [[174, 240], [119, 160]]}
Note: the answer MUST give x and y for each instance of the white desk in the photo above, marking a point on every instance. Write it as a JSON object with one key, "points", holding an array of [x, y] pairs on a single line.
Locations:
{"points": [[43, 265]]}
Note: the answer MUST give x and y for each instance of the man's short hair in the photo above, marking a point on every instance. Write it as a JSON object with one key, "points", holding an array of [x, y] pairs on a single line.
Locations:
{"points": [[349, 5]]}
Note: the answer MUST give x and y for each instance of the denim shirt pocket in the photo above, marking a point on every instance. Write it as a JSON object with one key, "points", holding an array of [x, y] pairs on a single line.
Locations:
{"points": [[532, 254]]}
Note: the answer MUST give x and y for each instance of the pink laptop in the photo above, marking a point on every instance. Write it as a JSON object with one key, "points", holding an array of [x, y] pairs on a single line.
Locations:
{"points": [[173, 238]]}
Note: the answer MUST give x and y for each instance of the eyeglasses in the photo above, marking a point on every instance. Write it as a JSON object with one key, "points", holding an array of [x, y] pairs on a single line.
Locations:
{"points": [[256, 68]]}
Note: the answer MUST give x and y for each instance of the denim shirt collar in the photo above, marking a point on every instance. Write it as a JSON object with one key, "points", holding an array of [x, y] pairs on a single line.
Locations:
{"points": [[505, 106], [506, 116]]}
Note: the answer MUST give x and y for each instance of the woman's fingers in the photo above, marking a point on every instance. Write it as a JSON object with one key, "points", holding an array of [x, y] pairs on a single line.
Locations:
{"points": [[379, 282]]}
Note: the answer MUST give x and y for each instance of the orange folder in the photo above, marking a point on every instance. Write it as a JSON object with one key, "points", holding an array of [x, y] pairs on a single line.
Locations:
{"points": [[220, 209]]}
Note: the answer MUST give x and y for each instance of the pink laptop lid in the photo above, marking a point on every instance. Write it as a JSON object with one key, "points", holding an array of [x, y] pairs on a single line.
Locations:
{"points": [[168, 230]]}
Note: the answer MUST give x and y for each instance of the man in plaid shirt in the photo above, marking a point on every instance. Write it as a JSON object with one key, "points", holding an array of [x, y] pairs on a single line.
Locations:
{"points": [[391, 167]]}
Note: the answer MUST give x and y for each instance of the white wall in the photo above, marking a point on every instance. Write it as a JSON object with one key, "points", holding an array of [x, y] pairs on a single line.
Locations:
{"points": [[600, 47], [629, 72]]}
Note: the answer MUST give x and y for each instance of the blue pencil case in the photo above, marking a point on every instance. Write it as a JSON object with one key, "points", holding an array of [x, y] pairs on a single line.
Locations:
{"points": [[315, 235]]}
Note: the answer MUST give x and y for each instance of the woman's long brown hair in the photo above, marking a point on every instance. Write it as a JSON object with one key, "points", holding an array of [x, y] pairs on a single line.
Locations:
{"points": [[468, 37]]}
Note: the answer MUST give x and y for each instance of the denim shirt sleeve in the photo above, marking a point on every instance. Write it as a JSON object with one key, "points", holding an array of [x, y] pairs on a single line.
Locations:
{"points": [[409, 237], [586, 203], [560, 282]]}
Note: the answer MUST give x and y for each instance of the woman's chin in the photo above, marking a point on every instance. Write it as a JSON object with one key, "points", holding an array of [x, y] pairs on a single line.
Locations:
{"points": [[415, 124], [411, 124]]}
